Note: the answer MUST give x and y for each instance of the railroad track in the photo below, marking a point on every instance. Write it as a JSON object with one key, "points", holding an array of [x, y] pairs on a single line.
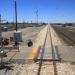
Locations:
{"points": [[53, 61], [66, 38], [53, 56], [41, 57], [44, 66], [47, 63]]}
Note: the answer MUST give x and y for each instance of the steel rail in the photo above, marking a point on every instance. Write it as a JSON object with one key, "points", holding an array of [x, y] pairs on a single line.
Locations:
{"points": [[41, 57], [53, 55]]}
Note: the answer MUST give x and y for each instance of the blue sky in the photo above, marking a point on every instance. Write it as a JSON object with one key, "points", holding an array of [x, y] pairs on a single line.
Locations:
{"points": [[48, 10]]}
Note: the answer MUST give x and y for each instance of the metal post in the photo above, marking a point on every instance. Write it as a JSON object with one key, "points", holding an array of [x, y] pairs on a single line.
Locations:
{"points": [[16, 43], [1, 60], [16, 14], [1, 53], [0, 18], [0, 25]]}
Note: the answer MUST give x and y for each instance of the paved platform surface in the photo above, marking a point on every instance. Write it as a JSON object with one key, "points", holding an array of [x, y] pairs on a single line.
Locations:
{"points": [[27, 33]]}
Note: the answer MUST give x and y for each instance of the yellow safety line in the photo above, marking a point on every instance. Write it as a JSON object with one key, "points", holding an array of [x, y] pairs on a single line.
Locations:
{"points": [[33, 52]]}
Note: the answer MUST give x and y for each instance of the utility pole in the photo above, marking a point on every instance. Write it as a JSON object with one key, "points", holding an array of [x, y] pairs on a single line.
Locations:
{"points": [[0, 27], [17, 34], [36, 15], [16, 43], [15, 14], [0, 18]]}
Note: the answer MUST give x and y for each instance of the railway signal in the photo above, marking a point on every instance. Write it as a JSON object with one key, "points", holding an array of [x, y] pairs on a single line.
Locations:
{"points": [[17, 34], [15, 4]]}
